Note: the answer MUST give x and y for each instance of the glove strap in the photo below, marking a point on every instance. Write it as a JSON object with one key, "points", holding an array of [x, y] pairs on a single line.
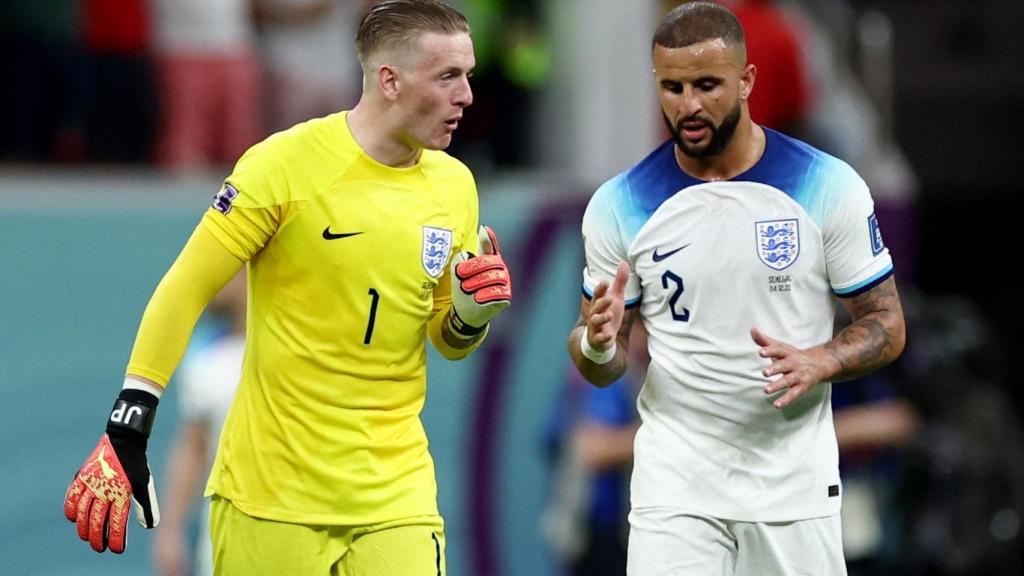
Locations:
{"points": [[461, 327], [133, 413]]}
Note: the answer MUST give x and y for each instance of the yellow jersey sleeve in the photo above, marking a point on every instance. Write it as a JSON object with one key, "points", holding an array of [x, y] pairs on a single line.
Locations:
{"points": [[252, 203], [200, 271]]}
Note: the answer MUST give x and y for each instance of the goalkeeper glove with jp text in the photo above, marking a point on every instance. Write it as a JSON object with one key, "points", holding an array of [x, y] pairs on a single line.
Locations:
{"points": [[98, 498], [481, 286]]}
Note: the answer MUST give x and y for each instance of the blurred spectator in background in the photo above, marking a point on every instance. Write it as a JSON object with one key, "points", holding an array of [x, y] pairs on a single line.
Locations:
{"points": [[309, 57], [43, 70], [775, 44], [873, 428], [590, 446], [514, 61], [209, 81], [121, 115], [963, 493], [209, 376]]}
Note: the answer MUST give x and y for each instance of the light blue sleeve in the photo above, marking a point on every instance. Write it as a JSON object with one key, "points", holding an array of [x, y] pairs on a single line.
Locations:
{"points": [[840, 203], [604, 240], [855, 255]]}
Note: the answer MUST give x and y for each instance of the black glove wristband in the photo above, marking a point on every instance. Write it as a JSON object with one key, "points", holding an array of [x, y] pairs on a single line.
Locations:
{"points": [[461, 327], [133, 414]]}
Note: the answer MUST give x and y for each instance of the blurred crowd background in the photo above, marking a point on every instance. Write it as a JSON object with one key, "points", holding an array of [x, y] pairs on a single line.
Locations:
{"points": [[119, 118]]}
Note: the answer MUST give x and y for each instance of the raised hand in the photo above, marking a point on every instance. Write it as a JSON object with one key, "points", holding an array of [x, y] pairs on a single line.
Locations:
{"points": [[606, 310], [481, 287]]}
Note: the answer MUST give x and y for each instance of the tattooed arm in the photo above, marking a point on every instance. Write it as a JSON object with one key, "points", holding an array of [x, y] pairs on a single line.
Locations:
{"points": [[874, 339], [876, 335]]}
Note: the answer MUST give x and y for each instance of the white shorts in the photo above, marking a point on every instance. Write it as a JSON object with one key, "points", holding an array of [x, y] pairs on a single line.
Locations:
{"points": [[673, 543]]}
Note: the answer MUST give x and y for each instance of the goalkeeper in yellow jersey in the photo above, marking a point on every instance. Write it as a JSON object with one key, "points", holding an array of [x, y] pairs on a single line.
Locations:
{"points": [[362, 241]]}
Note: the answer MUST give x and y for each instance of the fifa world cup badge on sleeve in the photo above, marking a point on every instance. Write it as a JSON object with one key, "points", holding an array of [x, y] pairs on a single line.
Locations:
{"points": [[222, 201], [876, 236]]}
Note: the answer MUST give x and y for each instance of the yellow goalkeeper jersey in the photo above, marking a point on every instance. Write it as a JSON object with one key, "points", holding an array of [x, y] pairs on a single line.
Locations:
{"points": [[348, 260]]}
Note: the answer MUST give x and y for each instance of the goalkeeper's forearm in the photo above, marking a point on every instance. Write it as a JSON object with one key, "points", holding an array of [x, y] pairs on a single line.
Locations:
{"points": [[448, 341]]}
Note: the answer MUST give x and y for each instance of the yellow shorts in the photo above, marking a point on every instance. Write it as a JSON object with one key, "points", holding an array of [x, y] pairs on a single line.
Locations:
{"points": [[248, 546]]}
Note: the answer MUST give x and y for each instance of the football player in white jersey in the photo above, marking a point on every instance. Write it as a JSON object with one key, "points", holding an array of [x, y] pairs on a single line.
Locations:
{"points": [[732, 243]]}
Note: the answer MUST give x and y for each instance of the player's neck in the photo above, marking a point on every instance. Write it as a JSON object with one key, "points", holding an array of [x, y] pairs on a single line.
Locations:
{"points": [[744, 150], [370, 130]]}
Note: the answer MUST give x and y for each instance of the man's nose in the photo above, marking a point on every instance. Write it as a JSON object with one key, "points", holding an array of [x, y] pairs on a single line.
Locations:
{"points": [[464, 95], [689, 103]]}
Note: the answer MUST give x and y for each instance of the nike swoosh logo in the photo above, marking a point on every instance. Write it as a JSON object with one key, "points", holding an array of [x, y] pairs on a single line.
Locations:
{"points": [[329, 236], [659, 257]]}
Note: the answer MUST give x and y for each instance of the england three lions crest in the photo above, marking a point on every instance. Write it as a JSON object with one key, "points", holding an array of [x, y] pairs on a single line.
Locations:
{"points": [[437, 244], [778, 242]]}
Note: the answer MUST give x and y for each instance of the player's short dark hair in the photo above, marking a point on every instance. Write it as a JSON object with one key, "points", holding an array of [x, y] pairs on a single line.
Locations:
{"points": [[696, 22], [393, 23]]}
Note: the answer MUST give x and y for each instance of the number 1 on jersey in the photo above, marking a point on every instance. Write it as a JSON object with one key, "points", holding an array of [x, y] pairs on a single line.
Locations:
{"points": [[375, 297]]}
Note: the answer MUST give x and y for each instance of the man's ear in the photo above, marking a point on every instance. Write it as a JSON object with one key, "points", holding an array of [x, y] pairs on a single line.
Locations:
{"points": [[747, 81], [387, 80]]}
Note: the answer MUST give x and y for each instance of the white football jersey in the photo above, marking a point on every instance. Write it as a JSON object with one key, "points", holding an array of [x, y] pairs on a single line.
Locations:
{"points": [[710, 260]]}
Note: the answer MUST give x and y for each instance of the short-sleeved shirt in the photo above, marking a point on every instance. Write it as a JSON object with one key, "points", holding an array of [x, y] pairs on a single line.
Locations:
{"points": [[348, 260], [710, 260]]}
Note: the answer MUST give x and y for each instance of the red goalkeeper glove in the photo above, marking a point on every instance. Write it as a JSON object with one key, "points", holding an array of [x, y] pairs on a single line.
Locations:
{"points": [[481, 286], [98, 498]]}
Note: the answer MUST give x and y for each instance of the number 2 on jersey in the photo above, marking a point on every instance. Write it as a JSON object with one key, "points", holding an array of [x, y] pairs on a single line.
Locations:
{"points": [[668, 276], [375, 298]]}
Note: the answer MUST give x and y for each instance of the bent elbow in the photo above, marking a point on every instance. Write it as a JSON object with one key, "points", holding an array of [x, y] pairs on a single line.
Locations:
{"points": [[898, 340]]}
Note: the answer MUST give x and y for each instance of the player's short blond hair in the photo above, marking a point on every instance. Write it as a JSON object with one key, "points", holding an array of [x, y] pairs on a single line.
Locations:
{"points": [[397, 24]]}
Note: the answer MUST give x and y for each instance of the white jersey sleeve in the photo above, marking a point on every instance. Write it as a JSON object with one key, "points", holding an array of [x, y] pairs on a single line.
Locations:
{"points": [[605, 242], [855, 256]]}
